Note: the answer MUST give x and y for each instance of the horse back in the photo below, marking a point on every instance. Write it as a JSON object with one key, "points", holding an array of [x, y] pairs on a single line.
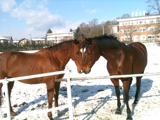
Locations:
{"points": [[15, 64], [139, 56]]}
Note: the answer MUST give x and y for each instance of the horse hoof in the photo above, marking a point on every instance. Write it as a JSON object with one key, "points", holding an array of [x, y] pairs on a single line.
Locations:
{"points": [[118, 111], [135, 102], [14, 113], [129, 119], [51, 119], [59, 113]]}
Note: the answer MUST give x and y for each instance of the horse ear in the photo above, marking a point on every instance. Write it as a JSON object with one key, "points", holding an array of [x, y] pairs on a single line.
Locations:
{"points": [[76, 42], [83, 38]]}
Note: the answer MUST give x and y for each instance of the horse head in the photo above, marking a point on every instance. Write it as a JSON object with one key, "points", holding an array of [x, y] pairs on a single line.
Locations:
{"points": [[76, 54], [90, 53]]}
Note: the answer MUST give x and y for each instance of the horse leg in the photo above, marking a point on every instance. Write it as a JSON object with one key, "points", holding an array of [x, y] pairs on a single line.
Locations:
{"points": [[50, 91], [1, 93], [128, 89], [130, 82], [116, 85], [126, 83], [56, 93], [10, 86], [138, 90]]}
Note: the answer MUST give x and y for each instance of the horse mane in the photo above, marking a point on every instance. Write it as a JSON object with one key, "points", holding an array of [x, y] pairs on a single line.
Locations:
{"points": [[107, 41], [63, 45]]}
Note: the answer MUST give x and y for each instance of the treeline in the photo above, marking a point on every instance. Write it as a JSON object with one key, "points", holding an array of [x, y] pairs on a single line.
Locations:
{"points": [[27, 46], [92, 28]]}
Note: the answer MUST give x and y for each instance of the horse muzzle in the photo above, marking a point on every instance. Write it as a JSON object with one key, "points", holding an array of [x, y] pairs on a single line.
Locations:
{"points": [[87, 71]]}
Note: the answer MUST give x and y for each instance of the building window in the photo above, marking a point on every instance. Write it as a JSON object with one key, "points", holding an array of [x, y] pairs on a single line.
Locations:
{"points": [[135, 30], [122, 31], [151, 28], [158, 21], [158, 28], [158, 36], [141, 22], [151, 21], [143, 29], [126, 30], [143, 37], [125, 38], [135, 38], [151, 37]]}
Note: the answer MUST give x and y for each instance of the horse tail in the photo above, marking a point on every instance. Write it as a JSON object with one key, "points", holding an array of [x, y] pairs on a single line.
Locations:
{"points": [[0, 94]]}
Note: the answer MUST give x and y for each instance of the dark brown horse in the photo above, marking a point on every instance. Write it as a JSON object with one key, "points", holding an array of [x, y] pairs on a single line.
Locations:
{"points": [[15, 64], [121, 60]]}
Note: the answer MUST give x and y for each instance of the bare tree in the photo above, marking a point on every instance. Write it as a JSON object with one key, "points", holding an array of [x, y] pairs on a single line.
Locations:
{"points": [[93, 29], [125, 15], [130, 31], [154, 6], [93, 23]]}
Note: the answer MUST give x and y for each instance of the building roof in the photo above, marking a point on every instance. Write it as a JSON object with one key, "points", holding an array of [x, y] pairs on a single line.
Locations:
{"points": [[139, 17], [15, 41], [38, 39], [6, 37], [24, 39], [61, 33]]}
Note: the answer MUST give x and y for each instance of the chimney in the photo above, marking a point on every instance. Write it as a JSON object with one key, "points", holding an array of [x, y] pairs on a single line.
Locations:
{"points": [[140, 13], [144, 13], [136, 14], [132, 14]]}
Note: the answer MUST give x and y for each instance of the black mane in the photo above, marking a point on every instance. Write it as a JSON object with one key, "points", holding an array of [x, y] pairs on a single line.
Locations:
{"points": [[107, 41]]}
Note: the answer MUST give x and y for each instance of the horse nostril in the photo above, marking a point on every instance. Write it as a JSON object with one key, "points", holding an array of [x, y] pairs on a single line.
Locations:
{"points": [[80, 71]]}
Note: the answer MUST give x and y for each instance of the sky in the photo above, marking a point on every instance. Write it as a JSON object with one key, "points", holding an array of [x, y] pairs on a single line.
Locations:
{"points": [[32, 18]]}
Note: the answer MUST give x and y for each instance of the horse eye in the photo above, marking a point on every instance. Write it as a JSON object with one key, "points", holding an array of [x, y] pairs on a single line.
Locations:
{"points": [[89, 53], [76, 53]]}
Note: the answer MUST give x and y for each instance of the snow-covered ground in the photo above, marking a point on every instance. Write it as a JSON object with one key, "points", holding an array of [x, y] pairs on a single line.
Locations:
{"points": [[93, 99]]}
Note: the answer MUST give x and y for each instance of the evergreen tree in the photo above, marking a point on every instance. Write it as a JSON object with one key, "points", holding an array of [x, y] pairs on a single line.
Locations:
{"points": [[49, 31], [71, 30], [76, 33]]}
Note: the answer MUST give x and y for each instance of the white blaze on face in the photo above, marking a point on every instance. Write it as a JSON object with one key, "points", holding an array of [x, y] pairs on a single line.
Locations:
{"points": [[82, 51]]}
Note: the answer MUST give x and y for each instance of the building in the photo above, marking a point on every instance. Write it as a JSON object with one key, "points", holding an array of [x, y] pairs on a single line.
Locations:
{"points": [[114, 30], [59, 37], [38, 40], [15, 42], [24, 41], [6, 40], [142, 28]]}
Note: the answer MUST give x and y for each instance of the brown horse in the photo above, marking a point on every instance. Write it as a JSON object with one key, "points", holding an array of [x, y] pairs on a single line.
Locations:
{"points": [[121, 60], [15, 64]]}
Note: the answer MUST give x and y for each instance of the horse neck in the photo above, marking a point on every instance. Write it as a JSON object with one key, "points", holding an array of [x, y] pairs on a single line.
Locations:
{"points": [[61, 57], [112, 54]]}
